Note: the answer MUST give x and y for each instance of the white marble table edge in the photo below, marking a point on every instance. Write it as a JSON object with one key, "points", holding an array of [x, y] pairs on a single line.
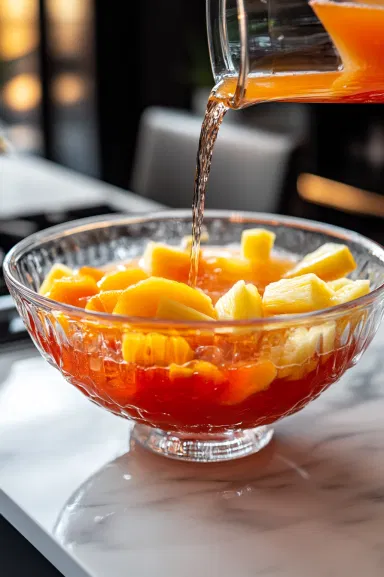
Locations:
{"points": [[41, 539]]}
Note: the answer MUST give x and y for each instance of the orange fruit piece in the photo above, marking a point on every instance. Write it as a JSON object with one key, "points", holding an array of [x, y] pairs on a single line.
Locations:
{"points": [[231, 268], [121, 279], [103, 302], [203, 369], [93, 304], [167, 261], [70, 290], [57, 271], [142, 299], [248, 380], [95, 273]]}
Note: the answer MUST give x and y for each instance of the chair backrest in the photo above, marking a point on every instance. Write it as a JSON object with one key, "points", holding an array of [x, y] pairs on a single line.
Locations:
{"points": [[248, 169]]}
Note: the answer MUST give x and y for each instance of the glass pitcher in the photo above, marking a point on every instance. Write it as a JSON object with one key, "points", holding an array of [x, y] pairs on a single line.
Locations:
{"points": [[296, 49]]}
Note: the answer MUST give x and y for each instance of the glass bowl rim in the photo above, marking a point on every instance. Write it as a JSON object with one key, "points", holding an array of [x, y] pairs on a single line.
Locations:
{"points": [[256, 218]]}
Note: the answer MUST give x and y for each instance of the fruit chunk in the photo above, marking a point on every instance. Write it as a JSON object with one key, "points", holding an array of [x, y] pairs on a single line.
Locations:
{"points": [[297, 295], [351, 291], [95, 273], [121, 279], [257, 244], [103, 302], [187, 241], [241, 302], [174, 311], [203, 369], [92, 304], [248, 380], [143, 299], [166, 261], [339, 283], [155, 349], [302, 350], [329, 262], [70, 290], [57, 272], [230, 268]]}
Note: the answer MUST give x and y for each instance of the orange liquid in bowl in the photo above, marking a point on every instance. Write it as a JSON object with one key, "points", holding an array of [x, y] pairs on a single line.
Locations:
{"points": [[90, 358]]}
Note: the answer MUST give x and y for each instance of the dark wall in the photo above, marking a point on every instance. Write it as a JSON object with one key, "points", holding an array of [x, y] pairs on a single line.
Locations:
{"points": [[147, 53]]}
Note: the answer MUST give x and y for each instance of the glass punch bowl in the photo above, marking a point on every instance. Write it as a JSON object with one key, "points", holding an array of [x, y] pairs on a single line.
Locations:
{"points": [[215, 407]]}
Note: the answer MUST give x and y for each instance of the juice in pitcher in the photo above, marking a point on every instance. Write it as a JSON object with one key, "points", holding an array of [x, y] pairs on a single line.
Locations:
{"points": [[357, 32]]}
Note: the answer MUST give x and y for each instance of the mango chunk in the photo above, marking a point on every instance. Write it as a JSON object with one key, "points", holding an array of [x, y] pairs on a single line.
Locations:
{"points": [[70, 290], [93, 304], [241, 302], [203, 369], [166, 261], [300, 294], [177, 372], [329, 262], [257, 244], [95, 273], [174, 311], [231, 268], [248, 380], [143, 299], [155, 349], [57, 272], [103, 302], [351, 291], [121, 279]]}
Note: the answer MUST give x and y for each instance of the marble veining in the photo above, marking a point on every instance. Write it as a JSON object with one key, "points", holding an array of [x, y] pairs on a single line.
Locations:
{"points": [[309, 505]]}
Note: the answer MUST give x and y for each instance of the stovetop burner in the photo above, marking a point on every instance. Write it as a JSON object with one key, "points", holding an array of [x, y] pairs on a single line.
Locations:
{"points": [[12, 330]]}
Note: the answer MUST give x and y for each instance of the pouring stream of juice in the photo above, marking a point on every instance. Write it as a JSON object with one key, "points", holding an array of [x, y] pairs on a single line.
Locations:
{"points": [[357, 31]]}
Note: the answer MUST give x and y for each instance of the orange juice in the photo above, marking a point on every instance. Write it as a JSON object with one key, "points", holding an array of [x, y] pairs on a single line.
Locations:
{"points": [[357, 31]]}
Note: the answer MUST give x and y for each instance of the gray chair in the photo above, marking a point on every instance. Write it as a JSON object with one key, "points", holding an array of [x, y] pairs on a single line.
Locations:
{"points": [[248, 169]]}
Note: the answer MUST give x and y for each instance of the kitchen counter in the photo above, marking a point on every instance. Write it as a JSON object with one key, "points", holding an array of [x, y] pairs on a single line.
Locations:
{"points": [[31, 185], [310, 504]]}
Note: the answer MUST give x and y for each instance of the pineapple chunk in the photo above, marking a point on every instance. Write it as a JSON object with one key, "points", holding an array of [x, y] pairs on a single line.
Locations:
{"points": [[174, 311], [155, 349], [248, 380], [187, 241], [351, 291], [241, 302], [143, 299], [257, 244], [57, 272], [166, 261], [303, 349], [339, 283], [121, 279], [329, 262], [301, 294]]}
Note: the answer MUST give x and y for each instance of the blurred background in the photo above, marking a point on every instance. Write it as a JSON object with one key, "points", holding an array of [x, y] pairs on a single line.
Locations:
{"points": [[120, 97]]}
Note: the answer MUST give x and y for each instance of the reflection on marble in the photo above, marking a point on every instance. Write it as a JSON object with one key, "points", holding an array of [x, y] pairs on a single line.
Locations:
{"points": [[309, 505]]}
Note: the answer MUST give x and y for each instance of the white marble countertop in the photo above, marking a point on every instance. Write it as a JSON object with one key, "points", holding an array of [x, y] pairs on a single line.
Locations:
{"points": [[30, 185], [310, 504]]}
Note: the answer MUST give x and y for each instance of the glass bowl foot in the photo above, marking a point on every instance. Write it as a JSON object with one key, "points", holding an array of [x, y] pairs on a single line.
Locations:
{"points": [[203, 448]]}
